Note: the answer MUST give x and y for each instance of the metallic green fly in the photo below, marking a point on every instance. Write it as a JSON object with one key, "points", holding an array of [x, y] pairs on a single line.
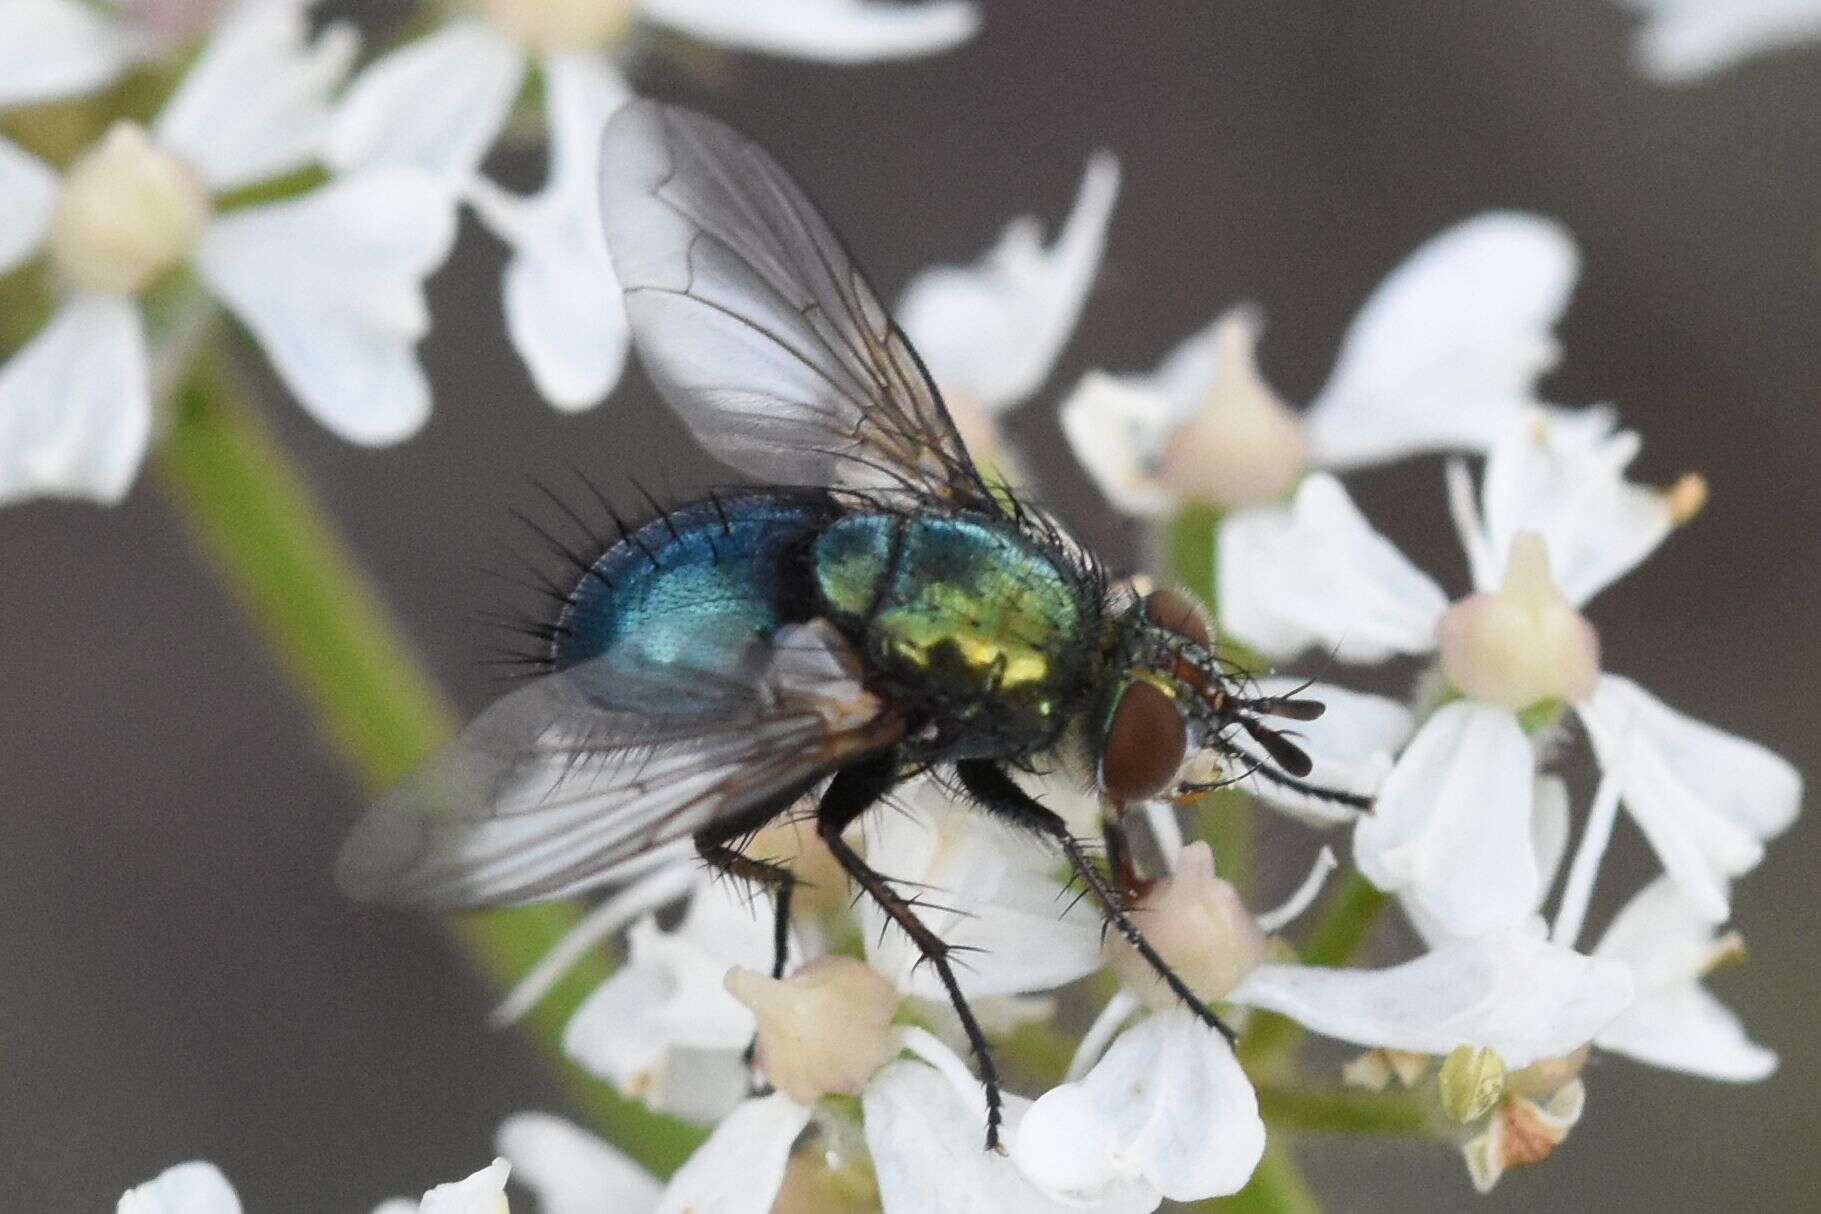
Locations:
{"points": [[879, 611]]}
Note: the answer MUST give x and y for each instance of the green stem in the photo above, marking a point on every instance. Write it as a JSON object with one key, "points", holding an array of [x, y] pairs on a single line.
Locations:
{"points": [[1337, 1110], [270, 540]]}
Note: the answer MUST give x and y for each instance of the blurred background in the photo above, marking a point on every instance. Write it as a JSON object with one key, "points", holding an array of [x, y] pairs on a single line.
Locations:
{"points": [[179, 978]]}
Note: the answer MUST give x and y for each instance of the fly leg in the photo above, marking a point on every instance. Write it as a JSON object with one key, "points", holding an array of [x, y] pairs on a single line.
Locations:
{"points": [[715, 844], [853, 791], [1000, 794]]}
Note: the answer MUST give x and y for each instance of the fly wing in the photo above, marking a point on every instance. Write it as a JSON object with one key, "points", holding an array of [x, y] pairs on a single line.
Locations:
{"points": [[594, 774], [755, 322]]}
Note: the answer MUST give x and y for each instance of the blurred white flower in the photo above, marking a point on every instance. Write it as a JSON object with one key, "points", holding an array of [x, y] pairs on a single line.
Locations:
{"points": [[197, 1187], [1685, 40], [330, 284], [1443, 355], [991, 332], [663, 1029], [1675, 1021], [1557, 522], [61, 48], [482, 1193], [572, 1171], [439, 104], [1168, 1103]]}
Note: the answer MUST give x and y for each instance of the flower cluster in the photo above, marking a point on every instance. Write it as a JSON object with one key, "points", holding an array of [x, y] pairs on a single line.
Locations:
{"points": [[312, 207], [310, 198]]}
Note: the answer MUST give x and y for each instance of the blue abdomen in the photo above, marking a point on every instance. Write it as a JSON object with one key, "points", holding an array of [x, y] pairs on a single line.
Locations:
{"points": [[694, 589]]}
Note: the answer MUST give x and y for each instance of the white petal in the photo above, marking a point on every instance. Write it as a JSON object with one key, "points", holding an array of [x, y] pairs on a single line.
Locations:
{"points": [[1351, 746], [256, 103], [1448, 348], [663, 1027], [332, 286], [984, 888], [28, 193], [196, 1187], [837, 31], [1683, 41], [75, 405], [991, 332], [1168, 1104], [1705, 799], [1116, 428], [482, 1193], [1451, 829], [436, 104], [925, 1139], [572, 1171], [1669, 943], [563, 307], [741, 1166], [56, 48], [1567, 483], [1509, 990], [1315, 573]]}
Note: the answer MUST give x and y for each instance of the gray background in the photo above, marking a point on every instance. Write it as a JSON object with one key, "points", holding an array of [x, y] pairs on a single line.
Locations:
{"points": [[177, 976]]}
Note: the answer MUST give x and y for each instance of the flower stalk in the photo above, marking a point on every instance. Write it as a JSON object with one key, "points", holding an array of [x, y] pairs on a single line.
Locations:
{"points": [[266, 535]]}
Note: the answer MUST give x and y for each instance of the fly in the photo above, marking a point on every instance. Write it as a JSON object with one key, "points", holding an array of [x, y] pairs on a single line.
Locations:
{"points": [[878, 612]]}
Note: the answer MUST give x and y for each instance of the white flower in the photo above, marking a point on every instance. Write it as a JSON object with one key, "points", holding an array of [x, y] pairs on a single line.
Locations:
{"points": [[1441, 357], [482, 1193], [991, 332], [989, 891], [439, 103], [1675, 1022], [196, 1187], [1168, 1102], [1556, 523], [60, 48], [329, 283], [571, 1171], [1684, 40], [663, 1029]]}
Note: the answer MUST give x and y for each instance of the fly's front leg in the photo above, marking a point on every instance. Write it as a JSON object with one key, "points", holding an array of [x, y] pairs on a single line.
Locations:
{"points": [[853, 792], [1000, 794]]}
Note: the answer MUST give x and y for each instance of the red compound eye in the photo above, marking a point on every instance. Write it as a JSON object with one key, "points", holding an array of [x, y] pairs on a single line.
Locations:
{"points": [[1145, 744], [1180, 613]]}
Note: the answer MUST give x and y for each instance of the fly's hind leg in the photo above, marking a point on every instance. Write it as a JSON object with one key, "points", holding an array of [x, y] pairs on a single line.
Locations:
{"points": [[1000, 794], [853, 791]]}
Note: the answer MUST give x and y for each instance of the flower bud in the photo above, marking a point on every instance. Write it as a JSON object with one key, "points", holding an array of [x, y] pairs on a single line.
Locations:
{"points": [[1244, 446], [1524, 643], [561, 25], [128, 211], [824, 1029], [1471, 1082], [1200, 928]]}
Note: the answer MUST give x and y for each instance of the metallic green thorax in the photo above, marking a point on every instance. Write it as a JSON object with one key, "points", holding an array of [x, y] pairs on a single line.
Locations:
{"points": [[964, 613]]}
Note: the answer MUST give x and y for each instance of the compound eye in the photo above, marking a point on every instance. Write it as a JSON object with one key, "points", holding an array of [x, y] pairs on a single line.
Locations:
{"points": [[1181, 614], [1145, 744]]}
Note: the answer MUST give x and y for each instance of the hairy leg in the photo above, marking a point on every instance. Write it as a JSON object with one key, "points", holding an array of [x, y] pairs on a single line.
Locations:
{"points": [[1000, 794], [854, 791]]}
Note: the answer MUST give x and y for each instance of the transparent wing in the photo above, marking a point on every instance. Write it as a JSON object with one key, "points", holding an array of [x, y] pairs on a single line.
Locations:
{"points": [[756, 324], [593, 774]]}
